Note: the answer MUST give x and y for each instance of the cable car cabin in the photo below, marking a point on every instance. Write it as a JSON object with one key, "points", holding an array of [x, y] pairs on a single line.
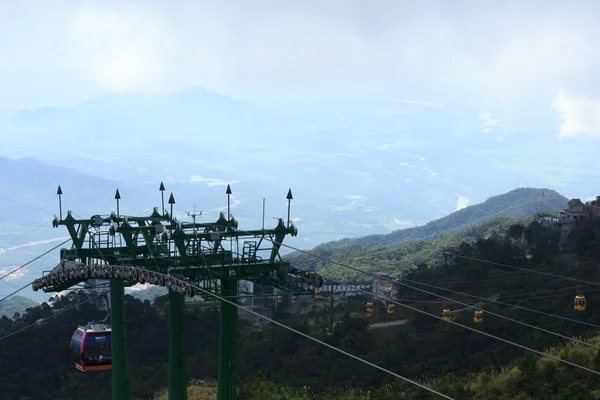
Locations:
{"points": [[90, 347], [336, 293], [294, 299], [579, 303], [317, 294], [370, 307], [279, 299], [447, 314], [478, 316], [390, 308]]}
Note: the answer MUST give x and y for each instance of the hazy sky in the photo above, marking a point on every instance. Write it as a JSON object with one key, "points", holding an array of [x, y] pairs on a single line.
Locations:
{"points": [[507, 53]]}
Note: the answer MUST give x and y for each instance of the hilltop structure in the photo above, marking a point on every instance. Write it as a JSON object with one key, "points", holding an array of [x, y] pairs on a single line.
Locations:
{"points": [[567, 218], [575, 211]]}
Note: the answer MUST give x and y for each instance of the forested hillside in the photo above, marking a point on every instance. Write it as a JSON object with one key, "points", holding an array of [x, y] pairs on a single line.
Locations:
{"points": [[15, 304], [393, 260], [530, 377], [425, 348], [518, 203]]}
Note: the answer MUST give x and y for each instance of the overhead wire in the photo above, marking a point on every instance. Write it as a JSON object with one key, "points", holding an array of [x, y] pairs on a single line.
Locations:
{"points": [[547, 291], [442, 319], [34, 259], [299, 333], [554, 295], [505, 304], [471, 329], [403, 305], [50, 317], [528, 270], [385, 298], [472, 296], [320, 342], [25, 234], [451, 300], [16, 291]]}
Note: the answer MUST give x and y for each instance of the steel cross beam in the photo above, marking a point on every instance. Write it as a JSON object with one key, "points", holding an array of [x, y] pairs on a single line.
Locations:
{"points": [[129, 249]]}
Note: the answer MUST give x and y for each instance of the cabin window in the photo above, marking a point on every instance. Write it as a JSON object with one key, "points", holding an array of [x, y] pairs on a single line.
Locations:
{"points": [[76, 345], [97, 348]]}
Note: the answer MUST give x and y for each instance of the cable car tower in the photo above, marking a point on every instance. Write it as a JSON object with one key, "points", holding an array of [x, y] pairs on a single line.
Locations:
{"points": [[127, 250]]}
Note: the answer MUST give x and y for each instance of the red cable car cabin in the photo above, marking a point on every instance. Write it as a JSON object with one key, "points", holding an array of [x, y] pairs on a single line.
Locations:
{"points": [[90, 347]]}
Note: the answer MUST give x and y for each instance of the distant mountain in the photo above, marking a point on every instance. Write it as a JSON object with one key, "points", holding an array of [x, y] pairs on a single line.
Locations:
{"points": [[16, 304], [29, 191], [518, 203], [128, 116], [149, 293], [357, 165]]}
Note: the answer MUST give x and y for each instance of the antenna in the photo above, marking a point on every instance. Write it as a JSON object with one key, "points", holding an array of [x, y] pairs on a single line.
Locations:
{"points": [[194, 214]]}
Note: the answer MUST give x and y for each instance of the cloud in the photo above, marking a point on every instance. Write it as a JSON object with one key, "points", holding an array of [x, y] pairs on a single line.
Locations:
{"points": [[501, 52], [461, 202], [12, 276], [579, 117], [488, 121], [124, 48]]}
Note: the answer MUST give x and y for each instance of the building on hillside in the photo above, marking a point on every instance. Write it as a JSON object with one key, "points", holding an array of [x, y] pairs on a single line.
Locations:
{"points": [[382, 285], [576, 210]]}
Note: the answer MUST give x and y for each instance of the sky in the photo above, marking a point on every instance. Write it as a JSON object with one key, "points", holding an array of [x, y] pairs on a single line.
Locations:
{"points": [[504, 56]]}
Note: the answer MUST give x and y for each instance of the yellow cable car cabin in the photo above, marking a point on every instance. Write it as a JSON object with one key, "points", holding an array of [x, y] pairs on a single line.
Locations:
{"points": [[336, 293], [317, 294], [370, 307], [294, 299], [390, 308], [579, 303], [478, 316], [447, 314], [279, 299]]}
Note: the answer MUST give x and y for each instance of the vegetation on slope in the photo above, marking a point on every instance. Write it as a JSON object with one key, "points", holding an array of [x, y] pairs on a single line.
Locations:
{"points": [[518, 203], [14, 306], [424, 348], [393, 260], [531, 377]]}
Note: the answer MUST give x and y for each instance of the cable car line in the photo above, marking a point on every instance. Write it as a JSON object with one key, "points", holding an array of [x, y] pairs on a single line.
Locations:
{"points": [[484, 299], [368, 293], [500, 315], [433, 315], [319, 341], [36, 258], [530, 270], [506, 304], [300, 333], [452, 300], [548, 291], [50, 317], [468, 327], [554, 295], [25, 234], [16, 291]]}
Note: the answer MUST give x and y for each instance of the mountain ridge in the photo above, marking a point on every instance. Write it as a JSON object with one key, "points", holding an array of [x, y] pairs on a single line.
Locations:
{"points": [[504, 204]]}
